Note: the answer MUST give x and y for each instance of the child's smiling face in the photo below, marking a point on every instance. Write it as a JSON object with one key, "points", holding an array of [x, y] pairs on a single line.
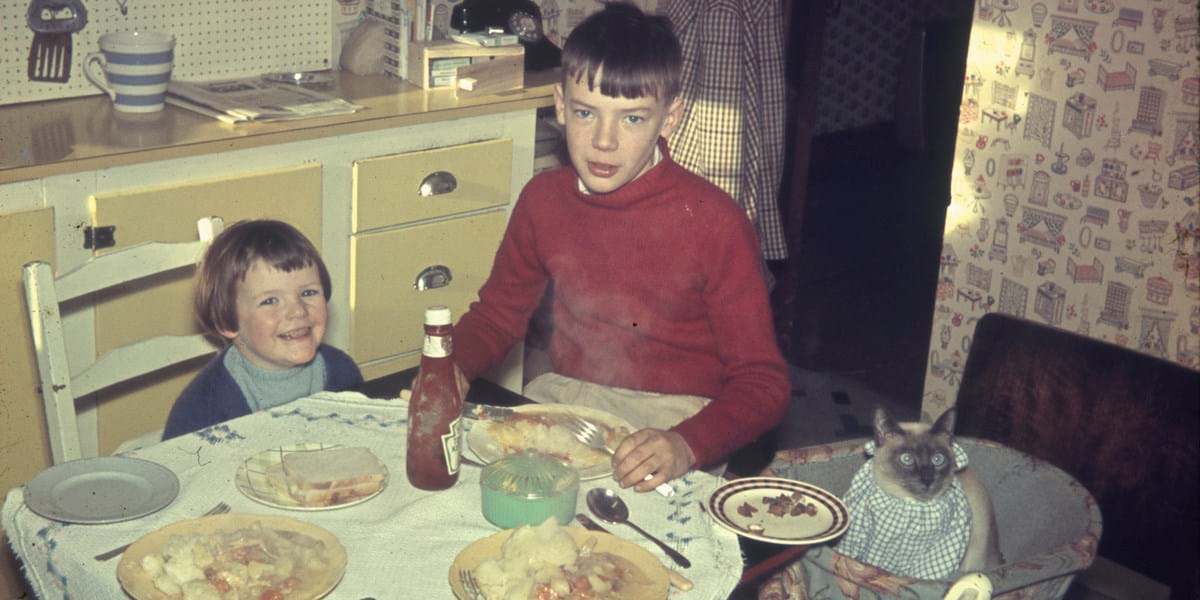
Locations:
{"points": [[611, 140], [281, 316]]}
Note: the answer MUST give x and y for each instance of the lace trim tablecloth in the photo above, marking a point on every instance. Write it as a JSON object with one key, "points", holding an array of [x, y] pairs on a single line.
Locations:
{"points": [[400, 543]]}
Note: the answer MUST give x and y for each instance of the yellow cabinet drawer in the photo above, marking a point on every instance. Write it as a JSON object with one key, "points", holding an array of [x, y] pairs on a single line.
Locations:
{"points": [[387, 308], [391, 190]]}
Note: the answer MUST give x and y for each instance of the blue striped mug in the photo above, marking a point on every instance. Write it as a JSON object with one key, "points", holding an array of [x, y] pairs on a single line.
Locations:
{"points": [[135, 67]]}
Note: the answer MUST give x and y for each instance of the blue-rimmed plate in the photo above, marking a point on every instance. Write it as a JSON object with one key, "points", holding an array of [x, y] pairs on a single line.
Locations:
{"points": [[104, 489], [779, 511]]}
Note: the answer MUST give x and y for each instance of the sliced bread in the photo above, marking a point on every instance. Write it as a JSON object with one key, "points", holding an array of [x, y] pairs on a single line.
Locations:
{"points": [[333, 475]]}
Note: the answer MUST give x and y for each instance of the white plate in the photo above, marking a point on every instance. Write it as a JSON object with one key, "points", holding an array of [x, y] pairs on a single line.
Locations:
{"points": [[488, 449], [731, 506], [260, 478], [104, 489]]}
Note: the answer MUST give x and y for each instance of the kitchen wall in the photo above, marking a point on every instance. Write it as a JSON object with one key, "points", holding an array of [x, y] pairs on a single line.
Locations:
{"points": [[1076, 180], [214, 39]]}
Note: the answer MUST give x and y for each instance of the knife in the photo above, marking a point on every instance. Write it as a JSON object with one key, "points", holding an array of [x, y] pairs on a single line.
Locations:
{"points": [[679, 581]]}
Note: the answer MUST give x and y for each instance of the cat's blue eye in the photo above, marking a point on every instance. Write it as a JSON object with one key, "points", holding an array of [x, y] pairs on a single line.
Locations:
{"points": [[906, 459], [938, 459]]}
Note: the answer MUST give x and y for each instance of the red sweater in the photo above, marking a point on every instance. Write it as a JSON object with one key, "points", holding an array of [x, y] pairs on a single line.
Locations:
{"points": [[657, 287]]}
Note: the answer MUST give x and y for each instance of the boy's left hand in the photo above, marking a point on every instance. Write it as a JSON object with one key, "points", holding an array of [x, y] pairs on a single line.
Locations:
{"points": [[664, 455]]}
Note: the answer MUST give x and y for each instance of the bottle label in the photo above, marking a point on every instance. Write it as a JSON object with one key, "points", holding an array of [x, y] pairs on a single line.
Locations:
{"points": [[437, 346], [451, 445]]}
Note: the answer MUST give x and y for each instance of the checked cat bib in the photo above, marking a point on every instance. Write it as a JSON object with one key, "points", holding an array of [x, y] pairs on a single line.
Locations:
{"points": [[910, 538]]}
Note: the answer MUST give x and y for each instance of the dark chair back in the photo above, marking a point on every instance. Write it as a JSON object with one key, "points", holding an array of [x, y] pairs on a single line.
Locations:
{"points": [[1123, 423]]}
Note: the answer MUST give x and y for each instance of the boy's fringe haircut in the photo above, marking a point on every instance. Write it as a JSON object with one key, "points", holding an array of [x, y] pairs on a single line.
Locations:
{"points": [[639, 53]]}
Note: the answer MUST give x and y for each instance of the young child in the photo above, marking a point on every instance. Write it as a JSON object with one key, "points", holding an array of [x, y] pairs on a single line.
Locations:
{"points": [[660, 313], [263, 287]]}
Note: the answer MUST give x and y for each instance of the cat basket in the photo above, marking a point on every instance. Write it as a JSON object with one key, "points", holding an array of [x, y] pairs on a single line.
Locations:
{"points": [[1048, 524]]}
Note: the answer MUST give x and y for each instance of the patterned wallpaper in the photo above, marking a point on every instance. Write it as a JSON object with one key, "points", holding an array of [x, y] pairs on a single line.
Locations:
{"points": [[1076, 180]]}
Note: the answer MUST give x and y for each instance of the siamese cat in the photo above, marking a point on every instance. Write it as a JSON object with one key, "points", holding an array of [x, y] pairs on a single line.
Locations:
{"points": [[916, 509]]}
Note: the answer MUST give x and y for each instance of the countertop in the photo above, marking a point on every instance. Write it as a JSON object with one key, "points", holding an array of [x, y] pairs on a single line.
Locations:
{"points": [[40, 139]]}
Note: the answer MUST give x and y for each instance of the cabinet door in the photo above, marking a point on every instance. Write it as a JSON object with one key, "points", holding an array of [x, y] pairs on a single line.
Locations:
{"points": [[164, 306], [402, 188], [386, 323]]}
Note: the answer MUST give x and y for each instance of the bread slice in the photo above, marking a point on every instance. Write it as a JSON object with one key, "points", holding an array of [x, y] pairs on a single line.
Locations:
{"points": [[332, 476]]}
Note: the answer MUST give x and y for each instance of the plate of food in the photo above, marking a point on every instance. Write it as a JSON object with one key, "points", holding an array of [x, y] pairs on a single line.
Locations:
{"points": [[311, 476], [233, 556], [543, 427], [780, 511], [103, 489], [527, 561]]}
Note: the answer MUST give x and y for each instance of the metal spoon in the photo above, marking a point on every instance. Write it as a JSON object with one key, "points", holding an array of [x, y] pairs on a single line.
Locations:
{"points": [[610, 507]]}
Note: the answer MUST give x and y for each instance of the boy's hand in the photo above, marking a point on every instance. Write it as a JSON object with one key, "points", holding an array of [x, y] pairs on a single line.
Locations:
{"points": [[663, 454]]}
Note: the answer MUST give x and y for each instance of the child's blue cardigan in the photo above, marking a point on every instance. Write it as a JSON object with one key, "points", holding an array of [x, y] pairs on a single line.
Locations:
{"points": [[213, 396]]}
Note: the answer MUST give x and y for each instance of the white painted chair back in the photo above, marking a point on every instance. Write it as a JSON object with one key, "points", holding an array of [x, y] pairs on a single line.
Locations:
{"points": [[44, 293]]}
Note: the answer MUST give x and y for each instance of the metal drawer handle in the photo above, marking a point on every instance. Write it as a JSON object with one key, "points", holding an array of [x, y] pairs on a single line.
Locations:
{"points": [[438, 182], [433, 277]]}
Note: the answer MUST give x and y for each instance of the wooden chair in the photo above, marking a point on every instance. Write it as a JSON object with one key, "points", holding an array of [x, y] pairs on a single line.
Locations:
{"points": [[1123, 423], [45, 294]]}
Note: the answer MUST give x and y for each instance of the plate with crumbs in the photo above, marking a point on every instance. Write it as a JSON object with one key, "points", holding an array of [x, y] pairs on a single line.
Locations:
{"points": [[261, 479], [779, 511]]}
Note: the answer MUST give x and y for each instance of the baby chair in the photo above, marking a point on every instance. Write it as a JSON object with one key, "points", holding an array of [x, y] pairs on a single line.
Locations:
{"points": [[1049, 527]]}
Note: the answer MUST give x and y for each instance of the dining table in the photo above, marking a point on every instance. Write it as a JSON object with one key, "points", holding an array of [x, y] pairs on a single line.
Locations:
{"points": [[400, 543]]}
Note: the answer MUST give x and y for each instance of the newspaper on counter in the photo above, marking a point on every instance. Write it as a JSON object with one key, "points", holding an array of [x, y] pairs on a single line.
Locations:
{"points": [[255, 99]]}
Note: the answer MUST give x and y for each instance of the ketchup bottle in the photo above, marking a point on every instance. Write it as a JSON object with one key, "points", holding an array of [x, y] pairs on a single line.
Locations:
{"points": [[435, 409]]}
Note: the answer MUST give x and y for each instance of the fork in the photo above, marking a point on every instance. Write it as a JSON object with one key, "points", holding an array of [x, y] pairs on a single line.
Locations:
{"points": [[470, 586], [591, 436], [220, 509]]}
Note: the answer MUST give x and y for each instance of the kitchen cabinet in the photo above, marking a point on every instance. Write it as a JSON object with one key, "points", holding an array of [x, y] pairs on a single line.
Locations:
{"points": [[346, 181], [389, 296], [352, 183], [413, 247]]}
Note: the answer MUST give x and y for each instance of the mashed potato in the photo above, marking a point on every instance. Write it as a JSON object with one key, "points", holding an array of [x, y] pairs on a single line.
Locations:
{"points": [[544, 563]]}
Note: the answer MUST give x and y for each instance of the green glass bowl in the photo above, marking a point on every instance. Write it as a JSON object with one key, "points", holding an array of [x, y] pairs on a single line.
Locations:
{"points": [[527, 488]]}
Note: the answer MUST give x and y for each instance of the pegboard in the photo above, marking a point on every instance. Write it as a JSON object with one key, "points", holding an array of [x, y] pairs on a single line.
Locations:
{"points": [[214, 39]]}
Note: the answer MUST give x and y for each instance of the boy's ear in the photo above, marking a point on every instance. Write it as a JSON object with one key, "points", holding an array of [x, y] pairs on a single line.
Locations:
{"points": [[229, 335], [674, 114], [560, 106]]}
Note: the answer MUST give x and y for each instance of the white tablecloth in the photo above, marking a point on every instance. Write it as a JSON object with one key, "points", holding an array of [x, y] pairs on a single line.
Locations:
{"points": [[400, 543]]}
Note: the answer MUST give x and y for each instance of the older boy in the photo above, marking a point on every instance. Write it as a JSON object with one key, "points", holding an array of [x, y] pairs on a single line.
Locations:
{"points": [[660, 313]]}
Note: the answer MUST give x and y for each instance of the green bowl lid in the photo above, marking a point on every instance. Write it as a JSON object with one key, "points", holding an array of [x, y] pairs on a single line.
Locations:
{"points": [[529, 474]]}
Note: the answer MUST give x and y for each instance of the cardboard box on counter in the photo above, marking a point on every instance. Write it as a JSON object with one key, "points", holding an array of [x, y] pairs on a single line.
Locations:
{"points": [[433, 64]]}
